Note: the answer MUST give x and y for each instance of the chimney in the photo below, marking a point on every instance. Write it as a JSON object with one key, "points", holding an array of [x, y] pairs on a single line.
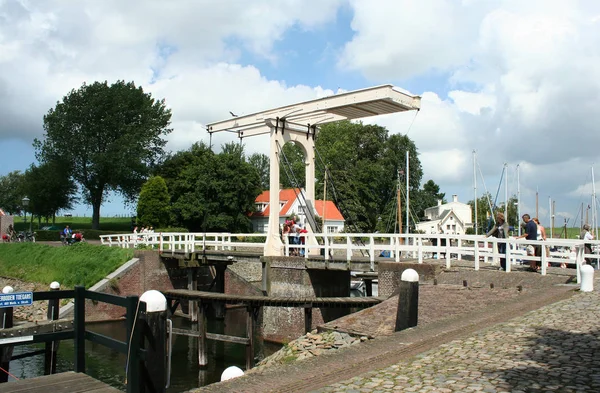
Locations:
{"points": [[439, 202], [454, 198]]}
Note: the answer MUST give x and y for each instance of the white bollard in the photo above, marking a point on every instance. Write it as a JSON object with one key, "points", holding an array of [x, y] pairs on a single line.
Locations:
{"points": [[231, 372], [587, 278], [7, 289]]}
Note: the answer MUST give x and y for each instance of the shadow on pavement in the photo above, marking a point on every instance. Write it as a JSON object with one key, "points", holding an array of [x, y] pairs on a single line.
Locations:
{"points": [[555, 360]]}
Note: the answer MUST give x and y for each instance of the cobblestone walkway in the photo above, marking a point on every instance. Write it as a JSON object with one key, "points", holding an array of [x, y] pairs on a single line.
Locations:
{"points": [[552, 349]]}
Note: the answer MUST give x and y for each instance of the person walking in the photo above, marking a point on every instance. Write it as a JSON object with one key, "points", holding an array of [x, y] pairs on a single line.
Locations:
{"points": [[531, 234], [587, 236], [500, 231]]}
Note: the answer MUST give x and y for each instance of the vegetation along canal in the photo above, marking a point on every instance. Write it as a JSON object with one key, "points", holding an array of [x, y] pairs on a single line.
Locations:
{"points": [[109, 366]]}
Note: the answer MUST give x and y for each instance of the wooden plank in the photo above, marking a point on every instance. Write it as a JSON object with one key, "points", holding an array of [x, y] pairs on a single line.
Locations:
{"points": [[69, 382], [226, 338]]}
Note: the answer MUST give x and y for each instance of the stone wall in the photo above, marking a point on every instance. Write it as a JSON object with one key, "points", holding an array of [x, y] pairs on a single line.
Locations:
{"points": [[288, 277], [390, 273]]}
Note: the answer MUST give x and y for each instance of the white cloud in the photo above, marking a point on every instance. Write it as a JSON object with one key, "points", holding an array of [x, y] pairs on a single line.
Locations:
{"points": [[48, 48]]}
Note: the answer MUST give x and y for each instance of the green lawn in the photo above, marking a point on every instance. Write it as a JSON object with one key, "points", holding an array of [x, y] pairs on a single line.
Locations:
{"points": [[80, 264]]}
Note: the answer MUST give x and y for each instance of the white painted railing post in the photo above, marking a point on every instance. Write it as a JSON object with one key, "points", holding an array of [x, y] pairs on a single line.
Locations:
{"points": [[459, 254], [579, 249], [543, 261], [420, 250], [447, 250], [372, 251], [348, 248], [507, 260], [396, 241], [476, 253], [326, 245]]}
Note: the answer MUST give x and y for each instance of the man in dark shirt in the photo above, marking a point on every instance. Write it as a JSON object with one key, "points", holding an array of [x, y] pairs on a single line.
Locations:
{"points": [[531, 234]]}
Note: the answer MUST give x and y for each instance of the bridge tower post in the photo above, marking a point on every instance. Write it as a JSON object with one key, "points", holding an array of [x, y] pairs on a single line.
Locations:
{"points": [[281, 133]]}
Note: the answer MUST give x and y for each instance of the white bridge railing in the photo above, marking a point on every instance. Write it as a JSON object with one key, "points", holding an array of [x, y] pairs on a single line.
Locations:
{"points": [[353, 246]]}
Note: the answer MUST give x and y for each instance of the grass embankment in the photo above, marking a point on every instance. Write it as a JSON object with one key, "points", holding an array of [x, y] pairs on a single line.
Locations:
{"points": [[80, 264]]}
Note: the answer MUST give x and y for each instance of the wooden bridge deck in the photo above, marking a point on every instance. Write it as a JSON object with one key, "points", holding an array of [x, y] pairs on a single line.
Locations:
{"points": [[184, 294], [69, 382]]}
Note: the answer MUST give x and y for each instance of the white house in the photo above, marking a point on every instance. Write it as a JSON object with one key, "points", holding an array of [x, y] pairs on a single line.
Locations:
{"points": [[451, 218], [292, 203]]}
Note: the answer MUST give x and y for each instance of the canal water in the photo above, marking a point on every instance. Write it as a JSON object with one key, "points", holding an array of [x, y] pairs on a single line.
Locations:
{"points": [[109, 366]]}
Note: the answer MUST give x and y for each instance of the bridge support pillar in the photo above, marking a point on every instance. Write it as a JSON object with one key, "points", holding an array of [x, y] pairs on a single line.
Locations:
{"points": [[289, 277], [192, 285], [219, 307]]}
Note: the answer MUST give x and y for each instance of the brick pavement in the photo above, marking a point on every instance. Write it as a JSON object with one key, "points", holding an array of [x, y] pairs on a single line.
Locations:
{"points": [[555, 348], [319, 372]]}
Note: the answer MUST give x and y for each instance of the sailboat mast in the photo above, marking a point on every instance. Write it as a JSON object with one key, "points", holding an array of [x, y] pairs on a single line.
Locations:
{"points": [[505, 191], [518, 199], [475, 189], [399, 204], [537, 203], [551, 215], [594, 218], [407, 194]]}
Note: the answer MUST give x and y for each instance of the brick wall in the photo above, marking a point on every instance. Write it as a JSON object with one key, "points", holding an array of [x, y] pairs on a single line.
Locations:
{"points": [[390, 273], [5, 221], [288, 277], [142, 274]]}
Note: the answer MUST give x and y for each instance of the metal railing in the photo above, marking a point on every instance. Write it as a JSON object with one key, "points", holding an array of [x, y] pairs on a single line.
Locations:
{"points": [[570, 252]]}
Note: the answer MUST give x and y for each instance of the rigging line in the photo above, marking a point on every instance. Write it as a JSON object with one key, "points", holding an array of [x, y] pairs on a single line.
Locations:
{"points": [[292, 178], [486, 191], [411, 123], [336, 198]]}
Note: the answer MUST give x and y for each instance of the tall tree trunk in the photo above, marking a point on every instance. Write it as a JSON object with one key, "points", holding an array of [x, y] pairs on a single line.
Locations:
{"points": [[96, 215]]}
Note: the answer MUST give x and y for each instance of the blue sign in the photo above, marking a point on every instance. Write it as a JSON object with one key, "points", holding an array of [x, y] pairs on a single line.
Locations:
{"points": [[16, 299]]}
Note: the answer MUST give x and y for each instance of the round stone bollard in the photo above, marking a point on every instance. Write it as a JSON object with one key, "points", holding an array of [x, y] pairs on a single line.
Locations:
{"points": [[408, 300], [587, 278], [231, 372]]}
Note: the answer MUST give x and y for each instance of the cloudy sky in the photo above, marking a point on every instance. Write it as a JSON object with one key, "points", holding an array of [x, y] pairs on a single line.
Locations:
{"points": [[516, 81]]}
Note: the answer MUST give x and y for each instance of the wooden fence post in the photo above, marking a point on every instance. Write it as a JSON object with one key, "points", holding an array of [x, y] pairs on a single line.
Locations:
{"points": [[52, 347], [79, 329], [6, 321], [155, 345]]}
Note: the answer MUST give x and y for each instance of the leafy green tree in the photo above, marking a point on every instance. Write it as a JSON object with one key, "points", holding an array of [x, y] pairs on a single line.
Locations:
{"points": [[262, 164], [212, 192], [484, 214], [153, 208], [50, 188], [110, 136], [12, 192], [364, 162], [426, 197], [292, 173]]}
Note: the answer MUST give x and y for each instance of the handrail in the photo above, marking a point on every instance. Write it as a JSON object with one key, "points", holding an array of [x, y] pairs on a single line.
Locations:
{"points": [[336, 245]]}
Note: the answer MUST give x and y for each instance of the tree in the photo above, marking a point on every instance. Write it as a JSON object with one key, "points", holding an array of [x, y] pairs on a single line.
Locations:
{"points": [[262, 164], [109, 136], [50, 189], [292, 167], [211, 192], [426, 197], [153, 207], [364, 162], [484, 214], [11, 192]]}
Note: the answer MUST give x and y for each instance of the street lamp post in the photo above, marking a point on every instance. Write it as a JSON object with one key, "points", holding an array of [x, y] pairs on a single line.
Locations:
{"points": [[25, 202]]}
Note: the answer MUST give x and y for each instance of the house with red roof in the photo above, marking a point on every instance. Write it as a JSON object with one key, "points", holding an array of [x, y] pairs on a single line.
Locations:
{"points": [[292, 202]]}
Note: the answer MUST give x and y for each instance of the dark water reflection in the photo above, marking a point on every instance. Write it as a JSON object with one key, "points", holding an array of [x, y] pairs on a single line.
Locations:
{"points": [[109, 366]]}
